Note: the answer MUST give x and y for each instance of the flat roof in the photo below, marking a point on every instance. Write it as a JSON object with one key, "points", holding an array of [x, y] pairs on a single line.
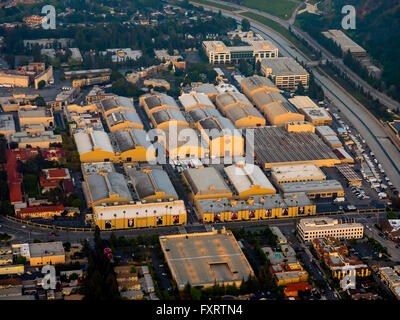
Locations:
{"points": [[311, 186], [276, 145], [303, 102], [283, 66], [37, 250], [97, 167], [205, 258], [311, 224], [344, 42], [297, 172], [325, 131], [317, 113]]}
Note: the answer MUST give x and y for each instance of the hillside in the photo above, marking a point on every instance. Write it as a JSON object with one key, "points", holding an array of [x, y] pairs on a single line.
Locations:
{"points": [[377, 30]]}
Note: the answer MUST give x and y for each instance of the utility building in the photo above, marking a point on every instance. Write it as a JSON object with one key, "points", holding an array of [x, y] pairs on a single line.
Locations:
{"points": [[248, 180]]}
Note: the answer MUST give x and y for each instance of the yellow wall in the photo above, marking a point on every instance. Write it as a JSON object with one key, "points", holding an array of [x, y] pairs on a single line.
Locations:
{"points": [[139, 154], [46, 76], [17, 81], [249, 122], [232, 144], [150, 221], [124, 125], [41, 261], [259, 214], [255, 190], [319, 163], [97, 155], [295, 279], [181, 152]]}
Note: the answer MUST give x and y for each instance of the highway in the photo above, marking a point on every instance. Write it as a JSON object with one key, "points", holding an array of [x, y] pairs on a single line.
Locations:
{"points": [[383, 98], [366, 124]]}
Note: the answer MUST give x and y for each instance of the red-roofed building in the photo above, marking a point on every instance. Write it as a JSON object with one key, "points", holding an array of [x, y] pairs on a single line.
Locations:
{"points": [[54, 178], [292, 289], [45, 212], [14, 177]]}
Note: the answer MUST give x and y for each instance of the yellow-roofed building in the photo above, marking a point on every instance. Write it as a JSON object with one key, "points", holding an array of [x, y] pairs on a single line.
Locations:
{"points": [[222, 137]]}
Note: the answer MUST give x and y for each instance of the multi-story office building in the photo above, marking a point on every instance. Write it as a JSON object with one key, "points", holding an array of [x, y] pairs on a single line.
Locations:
{"points": [[315, 228], [286, 72], [219, 53]]}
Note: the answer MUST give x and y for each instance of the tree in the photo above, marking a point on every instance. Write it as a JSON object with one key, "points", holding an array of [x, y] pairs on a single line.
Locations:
{"points": [[300, 90], [77, 203], [41, 84], [245, 25], [21, 260]]}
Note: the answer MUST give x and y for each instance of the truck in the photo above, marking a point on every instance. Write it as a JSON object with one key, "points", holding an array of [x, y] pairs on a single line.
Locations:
{"points": [[339, 199]]}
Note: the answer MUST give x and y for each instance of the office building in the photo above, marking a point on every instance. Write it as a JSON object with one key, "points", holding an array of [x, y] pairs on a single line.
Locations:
{"points": [[315, 228], [219, 53], [285, 72]]}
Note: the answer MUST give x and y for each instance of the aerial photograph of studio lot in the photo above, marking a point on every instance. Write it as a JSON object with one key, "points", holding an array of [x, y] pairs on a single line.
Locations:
{"points": [[175, 150]]}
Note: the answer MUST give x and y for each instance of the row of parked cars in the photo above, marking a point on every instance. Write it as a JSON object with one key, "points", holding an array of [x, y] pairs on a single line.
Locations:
{"points": [[359, 193]]}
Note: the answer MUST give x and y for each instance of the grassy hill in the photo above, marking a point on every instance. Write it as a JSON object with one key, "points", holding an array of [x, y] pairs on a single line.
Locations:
{"points": [[377, 30]]}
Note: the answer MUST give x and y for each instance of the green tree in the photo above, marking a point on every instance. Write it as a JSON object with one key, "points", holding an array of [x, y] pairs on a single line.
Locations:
{"points": [[41, 84], [245, 25]]}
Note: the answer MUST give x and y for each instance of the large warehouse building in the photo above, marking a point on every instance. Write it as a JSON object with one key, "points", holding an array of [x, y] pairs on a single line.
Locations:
{"points": [[248, 180], [107, 188], [132, 145], [314, 189], [255, 208], [94, 146], [140, 215], [152, 185], [205, 259], [206, 183], [254, 84], [155, 102], [122, 119], [297, 173], [181, 142], [222, 137], [166, 116], [275, 146], [244, 116], [195, 100]]}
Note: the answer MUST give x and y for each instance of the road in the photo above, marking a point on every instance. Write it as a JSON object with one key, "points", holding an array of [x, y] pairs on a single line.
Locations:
{"points": [[26, 233], [325, 54], [365, 123]]}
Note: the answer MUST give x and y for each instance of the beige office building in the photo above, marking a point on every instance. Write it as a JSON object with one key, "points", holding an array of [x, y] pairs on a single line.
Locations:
{"points": [[286, 72], [219, 53], [315, 228]]}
